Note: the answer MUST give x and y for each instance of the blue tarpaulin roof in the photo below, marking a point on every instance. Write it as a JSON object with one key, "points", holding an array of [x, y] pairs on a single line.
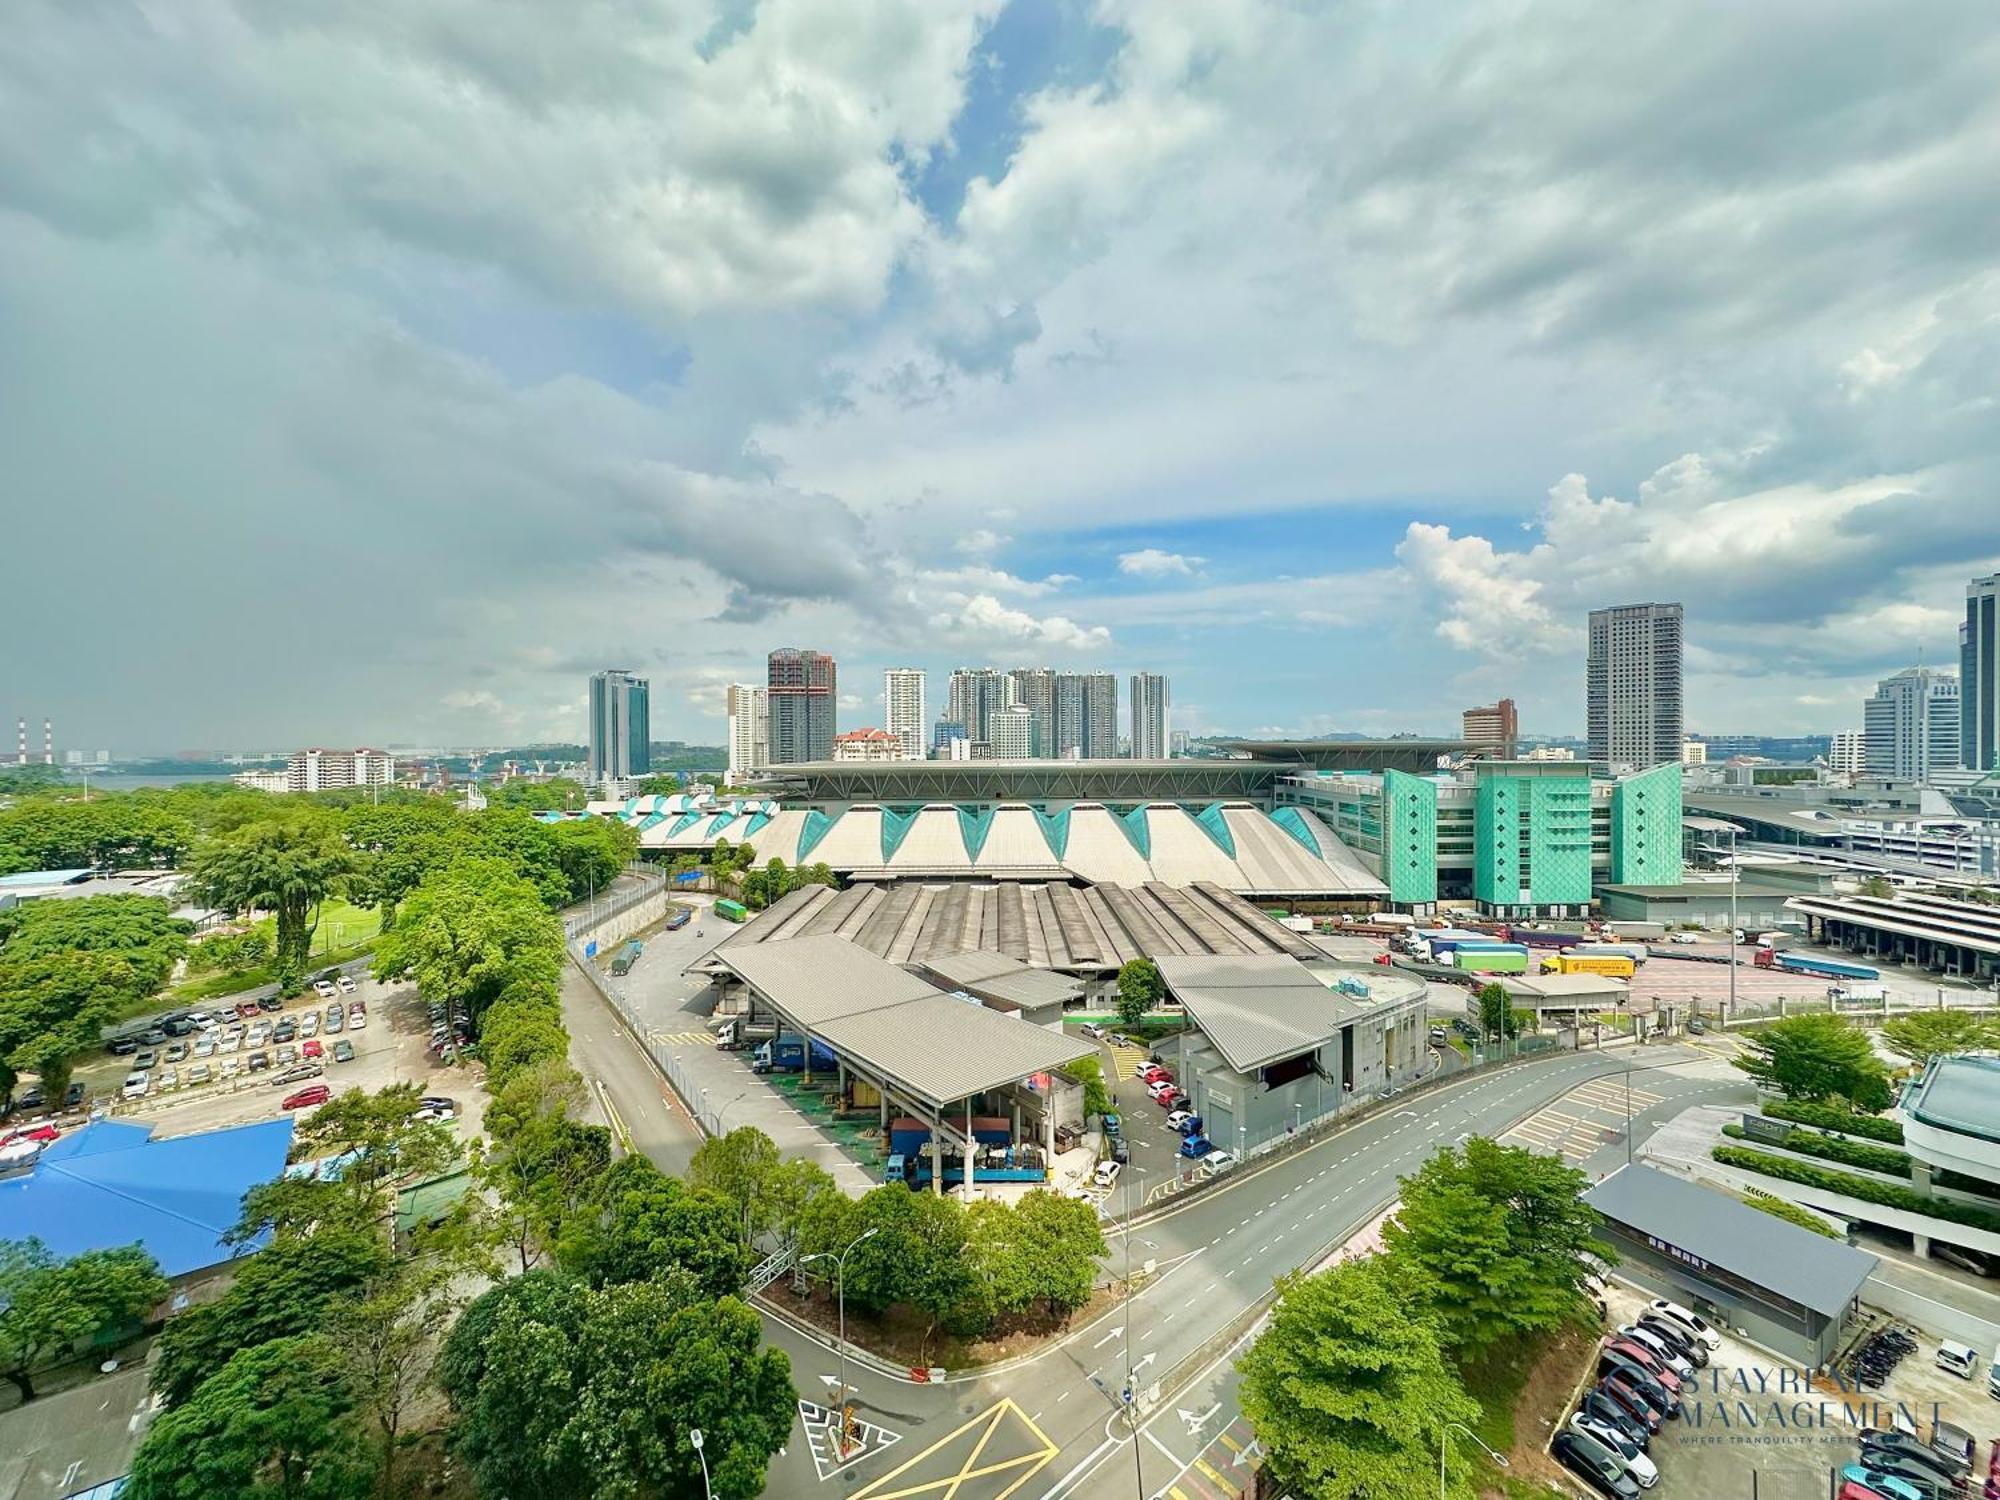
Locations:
{"points": [[111, 1184]]}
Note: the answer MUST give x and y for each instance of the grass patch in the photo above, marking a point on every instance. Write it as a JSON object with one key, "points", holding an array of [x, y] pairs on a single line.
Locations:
{"points": [[345, 932]]}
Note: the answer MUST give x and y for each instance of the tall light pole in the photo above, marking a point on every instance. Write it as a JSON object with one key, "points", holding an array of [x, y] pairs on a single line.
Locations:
{"points": [[1733, 928], [1444, 1438], [695, 1442], [840, 1293]]}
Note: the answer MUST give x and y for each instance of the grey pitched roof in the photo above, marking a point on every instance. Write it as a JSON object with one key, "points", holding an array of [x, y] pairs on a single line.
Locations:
{"points": [[1004, 978], [1822, 1274], [818, 979], [1257, 1009], [943, 1049]]}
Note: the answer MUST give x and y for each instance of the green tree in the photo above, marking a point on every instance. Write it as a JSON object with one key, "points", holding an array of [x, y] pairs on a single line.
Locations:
{"points": [[387, 1342], [564, 1391], [1496, 1011], [1043, 1250], [1140, 989], [543, 1176], [275, 1423], [382, 1144], [47, 1305], [1348, 1388], [287, 866], [1878, 887], [1498, 1235], [1817, 1056], [738, 1167], [640, 1223], [472, 931], [916, 1257], [1089, 1071], [283, 1291], [591, 851], [1926, 1034]]}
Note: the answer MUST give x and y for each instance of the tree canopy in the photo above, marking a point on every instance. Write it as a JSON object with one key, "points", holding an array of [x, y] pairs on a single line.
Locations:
{"points": [[1925, 1034], [638, 1223], [286, 865], [1816, 1056], [1348, 1387], [1140, 989], [47, 1305]]}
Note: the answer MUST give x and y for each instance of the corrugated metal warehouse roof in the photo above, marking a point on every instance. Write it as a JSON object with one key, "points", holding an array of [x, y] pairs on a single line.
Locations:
{"points": [[1089, 930], [1258, 1009]]}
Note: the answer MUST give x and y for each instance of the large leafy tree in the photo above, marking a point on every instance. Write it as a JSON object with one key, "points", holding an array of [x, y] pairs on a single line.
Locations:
{"points": [[1817, 1056], [917, 1256], [739, 1167], [387, 1341], [1496, 1012], [1140, 989], [275, 1423], [1498, 1235], [1043, 1251], [639, 1223], [117, 833], [544, 1173], [561, 1390], [286, 865], [472, 931], [47, 1305], [1348, 1388], [1926, 1034], [281, 1292]]}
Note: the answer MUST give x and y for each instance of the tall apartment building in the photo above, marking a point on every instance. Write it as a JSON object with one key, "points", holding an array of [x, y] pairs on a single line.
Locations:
{"points": [[1097, 727], [1634, 686], [1496, 725], [973, 695], [1034, 688], [329, 770], [903, 709], [801, 686], [749, 708], [1011, 733], [946, 734], [1849, 755], [621, 727], [1911, 727], [1979, 677], [1149, 706]]}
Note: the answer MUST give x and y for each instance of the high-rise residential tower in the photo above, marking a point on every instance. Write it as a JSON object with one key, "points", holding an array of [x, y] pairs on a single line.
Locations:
{"points": [[620, 727], [1634, 686], [1979, 677], [903, 709], [1496, 726], [1849, 754], [1910, 728], [1011, 733], [972, 696], [749, 707], [1034, 688], [1149, 705], [1100, 716], [801, 685]]}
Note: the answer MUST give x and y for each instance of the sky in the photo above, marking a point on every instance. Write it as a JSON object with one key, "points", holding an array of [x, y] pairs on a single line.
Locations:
{"points": [[372, 374]]}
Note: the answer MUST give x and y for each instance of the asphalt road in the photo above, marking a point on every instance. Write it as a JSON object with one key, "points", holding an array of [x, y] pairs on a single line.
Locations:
{"points": [[1048, 1426]]}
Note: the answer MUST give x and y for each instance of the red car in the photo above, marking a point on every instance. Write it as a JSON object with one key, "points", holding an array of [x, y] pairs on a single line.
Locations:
{"points": [[1649, 1361], [248, 1010], [1170, 1099], [43, 1133], [311, 1048], [307, 1097]]}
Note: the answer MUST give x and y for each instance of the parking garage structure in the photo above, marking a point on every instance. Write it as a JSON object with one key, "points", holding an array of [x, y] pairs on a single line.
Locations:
{"points": [[958, 1067], [1278, 1043]]}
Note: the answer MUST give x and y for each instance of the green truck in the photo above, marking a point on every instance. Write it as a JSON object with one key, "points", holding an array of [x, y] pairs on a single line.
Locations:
{"points": [[732, 911]]}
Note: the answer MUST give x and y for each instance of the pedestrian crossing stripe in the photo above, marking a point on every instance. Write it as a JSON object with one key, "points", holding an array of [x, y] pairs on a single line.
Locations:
{"points": [[682, 1038], [1606, 1094], [819, 1421]]}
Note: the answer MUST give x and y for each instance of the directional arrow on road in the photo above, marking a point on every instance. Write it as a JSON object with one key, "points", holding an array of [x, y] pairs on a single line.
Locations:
{"points": [[1143, 1362], [1250, 1451], [1196, 1423]]}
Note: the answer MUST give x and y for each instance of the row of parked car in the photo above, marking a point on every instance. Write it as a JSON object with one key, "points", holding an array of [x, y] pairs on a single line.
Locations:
{"points": [[291, 1043], [1897, 1463], [1641, 1372]]}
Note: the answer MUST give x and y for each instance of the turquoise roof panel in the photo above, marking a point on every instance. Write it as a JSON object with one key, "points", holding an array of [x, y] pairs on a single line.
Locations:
{"points": [[817, 826], [1211, 821], [1055, 829], [1293, 822], [974, 823]]}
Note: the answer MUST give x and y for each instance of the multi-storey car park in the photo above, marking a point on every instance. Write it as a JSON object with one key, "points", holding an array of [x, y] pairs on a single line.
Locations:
{"points": [[1338, 825]]}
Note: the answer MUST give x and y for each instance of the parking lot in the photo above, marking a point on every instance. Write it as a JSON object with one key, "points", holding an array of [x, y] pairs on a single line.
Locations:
{"points": [[389, 1046], [1749, 1412]]}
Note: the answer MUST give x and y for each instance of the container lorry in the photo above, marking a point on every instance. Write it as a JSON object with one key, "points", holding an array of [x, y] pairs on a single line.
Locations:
{"points": [[1858, 989], [1547, 939], [1775, 939], [1636, 932], [732, 911], [1497, 960], [787, 1054], [678, 918], [740, 1034], [1610, 965], [1637, 952], [1807, 963], [627, 956]]}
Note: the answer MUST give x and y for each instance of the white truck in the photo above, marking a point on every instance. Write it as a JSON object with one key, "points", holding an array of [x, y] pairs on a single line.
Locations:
{"points": [[1858, 989]]}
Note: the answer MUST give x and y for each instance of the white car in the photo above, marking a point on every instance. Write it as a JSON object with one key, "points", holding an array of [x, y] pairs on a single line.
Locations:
{"points": [[1091, 1029], [1218, 1161], [232, 1041], [136, 1085], [1644, 1472], [1178, 1117], [1694, 1323], [198, 1074], [347, 985], [204, 1021], [358, 1021], [168, 1078], [309, 1024], [324, 989], [1671, 1357], [1107, 1173], [231, 1066], [1160, 1086], [205, 1047], [1684, 937]]}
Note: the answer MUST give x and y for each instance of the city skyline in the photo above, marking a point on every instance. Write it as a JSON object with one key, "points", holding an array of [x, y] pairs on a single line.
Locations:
{"points": [[1469, 380]]}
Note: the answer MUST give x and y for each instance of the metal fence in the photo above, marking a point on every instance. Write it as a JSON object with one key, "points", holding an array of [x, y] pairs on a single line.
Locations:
{"points": [[597, 910]]}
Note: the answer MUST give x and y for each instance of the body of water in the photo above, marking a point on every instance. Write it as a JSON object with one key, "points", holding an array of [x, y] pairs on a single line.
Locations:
{"points": [[126, 781]]}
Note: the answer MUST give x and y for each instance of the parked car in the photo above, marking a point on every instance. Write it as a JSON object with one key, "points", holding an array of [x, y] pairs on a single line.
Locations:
{"points": [[1594, 1463], [287, 1055], [1195, 1147], [1884, 1450], [232, 1041], [136, 1084], [438, 1101], [311, 1048], [357, 1020], [1106, 1173], [167, 1078], [285, 1031], [231, 1067], [1677, 1336], [1218, 1161], [1159, 1086], [1640, 1379], [306, 1098], [122, 1046], [1886, 1485], [1089, 1028], [1172, 1098], [270, 1003], [177, 1052], [152, 1036], [1680, 1364], [198, 1074], [247, 1010], [1439, 1036], [334, 1018], [145, 1060], [1629, 1450], [1113, 1125], [1619, 1388], [298, 1074], [1179, 1117], [343, 1051], [1153, 1074], [1600, 1406], [324, 989], [1693, 1322], [309, 1023], [1121, 1151], [259, 1061], [205, 1047], [177, 1025], [73, 1096], [347, 984]]}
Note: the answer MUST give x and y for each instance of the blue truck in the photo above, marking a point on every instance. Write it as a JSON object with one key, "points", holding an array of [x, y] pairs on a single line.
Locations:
{"points": [[1806, 963], [786, 1053], [678, 918], [994, 1164]]}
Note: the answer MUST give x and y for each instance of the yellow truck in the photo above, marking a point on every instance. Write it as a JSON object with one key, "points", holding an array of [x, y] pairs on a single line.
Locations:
{"points": [[1610, 965]]}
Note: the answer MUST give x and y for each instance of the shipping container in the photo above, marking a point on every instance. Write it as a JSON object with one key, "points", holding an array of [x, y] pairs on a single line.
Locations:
{"points": [[1611, 965], [787, 1054], [1637, 952], [1635, 931], [1806, 963], [1491, 960], [1547, 939]]}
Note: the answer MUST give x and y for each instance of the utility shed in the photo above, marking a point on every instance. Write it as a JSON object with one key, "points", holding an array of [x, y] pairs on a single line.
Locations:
{"points": [[1783, 1287]]}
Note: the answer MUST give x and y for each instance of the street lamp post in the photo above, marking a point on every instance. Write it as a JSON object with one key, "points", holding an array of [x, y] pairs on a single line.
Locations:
{"points": [[1733, 928], [840, 1293], [695, 1442], [1444, 1438]]}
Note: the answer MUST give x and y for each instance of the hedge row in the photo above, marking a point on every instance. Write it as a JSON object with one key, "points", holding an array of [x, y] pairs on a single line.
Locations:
{"points": [[1791, 1213], [1833, 1148], [1889, 1195], [1833, 1117]]}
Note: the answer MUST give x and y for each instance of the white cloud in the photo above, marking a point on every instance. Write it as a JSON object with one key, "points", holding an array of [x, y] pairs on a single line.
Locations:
{"points": [[982, 618], [1151, 562]]}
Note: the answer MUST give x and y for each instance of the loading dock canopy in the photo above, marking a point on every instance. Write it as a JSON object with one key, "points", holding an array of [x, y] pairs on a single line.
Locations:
{"points": [[1259, 1010], [1712, 1227], [887, 1023], [1005, 982]]}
